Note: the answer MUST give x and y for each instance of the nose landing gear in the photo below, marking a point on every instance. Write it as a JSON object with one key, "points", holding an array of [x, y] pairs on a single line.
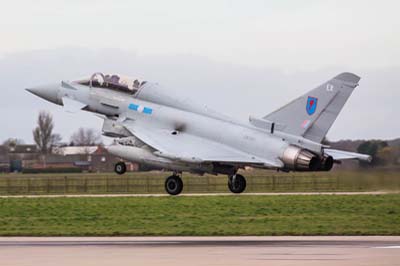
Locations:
{"points": [[120, 168]]}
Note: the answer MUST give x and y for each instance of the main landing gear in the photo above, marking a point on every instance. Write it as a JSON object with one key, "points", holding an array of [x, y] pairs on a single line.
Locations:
{"points": [[174, 184], [236, 183]]}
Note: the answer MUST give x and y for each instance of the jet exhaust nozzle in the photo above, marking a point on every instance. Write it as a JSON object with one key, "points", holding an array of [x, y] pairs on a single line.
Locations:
{"points": [[299, 159], [326, 163]]}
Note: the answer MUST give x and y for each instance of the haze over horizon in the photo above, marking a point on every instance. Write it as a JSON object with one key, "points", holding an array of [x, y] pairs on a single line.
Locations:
{"points": [[239, 58]]}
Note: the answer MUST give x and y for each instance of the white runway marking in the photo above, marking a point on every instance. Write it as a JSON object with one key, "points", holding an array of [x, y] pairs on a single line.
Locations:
{"points": [[389, 247]]}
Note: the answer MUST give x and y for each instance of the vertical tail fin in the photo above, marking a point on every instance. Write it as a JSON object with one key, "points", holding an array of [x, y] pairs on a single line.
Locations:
{"points": [[313, 114]]}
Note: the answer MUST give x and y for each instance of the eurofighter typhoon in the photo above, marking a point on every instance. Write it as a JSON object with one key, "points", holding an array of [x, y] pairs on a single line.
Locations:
{"points": [[154, 128]]}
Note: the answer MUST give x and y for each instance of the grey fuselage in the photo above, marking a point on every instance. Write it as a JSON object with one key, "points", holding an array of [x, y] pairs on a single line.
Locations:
{"points": [[153, 127], [173, 114]]}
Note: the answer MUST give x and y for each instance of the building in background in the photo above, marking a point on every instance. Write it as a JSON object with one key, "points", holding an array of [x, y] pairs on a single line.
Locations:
{"points": [[4, 159], [22, 156], [26, 158]]}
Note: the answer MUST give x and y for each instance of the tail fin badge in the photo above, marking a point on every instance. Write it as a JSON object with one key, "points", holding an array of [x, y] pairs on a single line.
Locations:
{"points": [[311, 105]]}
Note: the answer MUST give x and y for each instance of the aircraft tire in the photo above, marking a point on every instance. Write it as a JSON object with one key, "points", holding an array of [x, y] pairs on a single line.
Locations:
{"points": [[173, 185], [239, 186], [120, 168]]}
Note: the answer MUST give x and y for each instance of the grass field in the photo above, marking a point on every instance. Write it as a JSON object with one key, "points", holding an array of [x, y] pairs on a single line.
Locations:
{"points": [[202, 216], [153, 182]]}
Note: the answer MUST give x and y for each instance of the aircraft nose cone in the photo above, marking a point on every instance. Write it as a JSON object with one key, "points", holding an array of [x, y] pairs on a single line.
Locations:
{"points": [[48, 92]]}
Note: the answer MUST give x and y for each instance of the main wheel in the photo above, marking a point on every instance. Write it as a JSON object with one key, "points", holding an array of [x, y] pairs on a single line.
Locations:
{"points": [[237, 183], [173, 185], [120, 168]]}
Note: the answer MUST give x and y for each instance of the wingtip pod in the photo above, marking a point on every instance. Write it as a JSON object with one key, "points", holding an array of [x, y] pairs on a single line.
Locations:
{"points": [[348, 77]]}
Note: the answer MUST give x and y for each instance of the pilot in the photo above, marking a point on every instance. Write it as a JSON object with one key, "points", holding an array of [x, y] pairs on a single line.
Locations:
{"points": [[107, 79], [136, 84], [114, 79]]}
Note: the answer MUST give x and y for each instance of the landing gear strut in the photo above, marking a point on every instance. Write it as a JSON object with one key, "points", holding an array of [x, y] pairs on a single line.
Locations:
{"points": [[236, 183], [174, 185], [120, 168]]}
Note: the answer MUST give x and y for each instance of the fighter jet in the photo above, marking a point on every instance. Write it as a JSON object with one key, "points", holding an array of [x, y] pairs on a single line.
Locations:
{"points": [[153, 127]]}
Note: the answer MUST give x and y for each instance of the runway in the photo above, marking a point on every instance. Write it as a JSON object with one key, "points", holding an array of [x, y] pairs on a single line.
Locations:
{"points": [[99, 251]]}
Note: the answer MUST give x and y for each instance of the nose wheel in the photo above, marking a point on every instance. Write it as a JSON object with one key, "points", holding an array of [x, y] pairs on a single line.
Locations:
{"points": [[236, 183], [120, 168], [173, 185]]}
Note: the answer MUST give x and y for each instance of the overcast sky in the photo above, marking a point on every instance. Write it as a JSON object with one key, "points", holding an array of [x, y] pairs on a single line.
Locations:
{"points": [[266, 52]]}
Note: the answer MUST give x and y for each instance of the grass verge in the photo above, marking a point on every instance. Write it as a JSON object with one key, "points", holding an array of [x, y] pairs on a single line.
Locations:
{"points": [[202, 216]]}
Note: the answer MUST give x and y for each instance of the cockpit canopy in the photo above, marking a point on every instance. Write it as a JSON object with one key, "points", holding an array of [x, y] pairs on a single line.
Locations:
{"points": [[113, 82]]}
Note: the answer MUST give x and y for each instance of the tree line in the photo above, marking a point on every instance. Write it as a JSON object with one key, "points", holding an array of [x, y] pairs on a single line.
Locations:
{"points": [[45, 138], [382, 154]]}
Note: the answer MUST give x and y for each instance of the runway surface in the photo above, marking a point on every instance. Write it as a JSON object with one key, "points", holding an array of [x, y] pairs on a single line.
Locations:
{"points": [[365, 250], [200, 194]]}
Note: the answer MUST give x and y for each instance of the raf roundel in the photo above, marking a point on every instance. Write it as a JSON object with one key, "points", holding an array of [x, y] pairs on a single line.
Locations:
{"points": [[140, 109], [311, 105]]}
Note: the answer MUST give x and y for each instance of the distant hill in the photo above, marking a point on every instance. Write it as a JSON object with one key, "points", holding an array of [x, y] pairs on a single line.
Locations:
{"points": [[351, 145], [394, 142]]}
